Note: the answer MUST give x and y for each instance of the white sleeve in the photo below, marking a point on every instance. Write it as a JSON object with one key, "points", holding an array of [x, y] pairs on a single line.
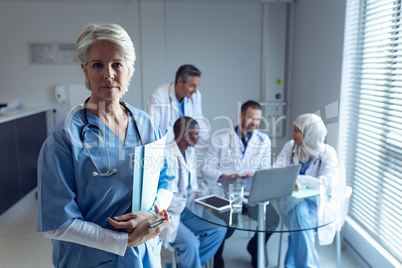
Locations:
{"points": [[163, 198], [283, 159], [327, 174], [153, 108], [204, 125], [159, 108], [265, 161], [211, 168], [304, 181], [91, 235]]}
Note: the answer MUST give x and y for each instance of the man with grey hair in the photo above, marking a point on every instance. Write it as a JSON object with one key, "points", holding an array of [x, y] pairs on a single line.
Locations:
{"points": [[180, 98]]}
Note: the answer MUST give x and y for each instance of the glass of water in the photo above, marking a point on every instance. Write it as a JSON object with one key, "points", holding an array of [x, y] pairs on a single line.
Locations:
{"points": [[235, 193]]}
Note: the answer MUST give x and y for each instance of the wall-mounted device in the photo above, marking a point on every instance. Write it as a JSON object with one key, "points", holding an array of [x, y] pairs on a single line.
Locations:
{"points": [[61, 93], [71, 94]]}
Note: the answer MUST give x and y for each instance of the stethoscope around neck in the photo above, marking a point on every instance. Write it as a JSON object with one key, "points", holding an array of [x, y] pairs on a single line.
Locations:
{"points": [[87, 125], [232, 144], [311, 162]]}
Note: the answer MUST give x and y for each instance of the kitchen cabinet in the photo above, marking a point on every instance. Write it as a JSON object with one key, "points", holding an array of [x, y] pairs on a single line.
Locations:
{"points": [[21, 138]]}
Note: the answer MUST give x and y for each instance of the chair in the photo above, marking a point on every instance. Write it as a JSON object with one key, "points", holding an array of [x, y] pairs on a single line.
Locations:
{"points": [[173, 254], [344, 213], [209, 264]]}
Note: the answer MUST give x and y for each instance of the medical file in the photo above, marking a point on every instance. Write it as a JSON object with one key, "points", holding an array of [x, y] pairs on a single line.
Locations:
{"points": [[305, 192], [148, 161]]}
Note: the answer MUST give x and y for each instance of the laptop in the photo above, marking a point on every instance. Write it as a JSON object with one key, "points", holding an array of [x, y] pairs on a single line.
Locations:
{"points": [[272, 183]]}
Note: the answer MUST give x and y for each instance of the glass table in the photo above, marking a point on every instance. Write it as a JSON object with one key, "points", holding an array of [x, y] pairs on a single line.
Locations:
{"points": [[267, 217]]}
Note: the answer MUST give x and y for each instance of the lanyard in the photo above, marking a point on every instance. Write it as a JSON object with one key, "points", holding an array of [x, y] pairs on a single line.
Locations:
{"points": [[246, 143]]}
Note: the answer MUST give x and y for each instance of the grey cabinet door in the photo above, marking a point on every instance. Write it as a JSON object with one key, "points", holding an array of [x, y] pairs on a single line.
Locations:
{"points": [[9, 178], [31, 133], [20, 143]]}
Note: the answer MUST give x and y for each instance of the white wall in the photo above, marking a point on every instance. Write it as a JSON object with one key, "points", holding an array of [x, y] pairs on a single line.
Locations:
{"points": [[223, 39], [37, 21], [317, 61]]}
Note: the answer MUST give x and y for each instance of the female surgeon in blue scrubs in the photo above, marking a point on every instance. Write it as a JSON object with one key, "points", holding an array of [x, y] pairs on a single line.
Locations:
{"points": [[85, 174]]}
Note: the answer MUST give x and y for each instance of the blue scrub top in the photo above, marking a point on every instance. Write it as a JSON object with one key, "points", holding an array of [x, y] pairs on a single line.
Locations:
{"points": [[68, 190]]}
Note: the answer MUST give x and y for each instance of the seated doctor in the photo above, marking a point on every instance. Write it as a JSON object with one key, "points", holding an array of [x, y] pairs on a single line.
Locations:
{"points": [[319, 168], [180, 98], [85, 170], [182, 233], [237, 152]]}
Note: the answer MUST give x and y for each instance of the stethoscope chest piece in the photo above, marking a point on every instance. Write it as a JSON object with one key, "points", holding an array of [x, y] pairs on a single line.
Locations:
{"points": [[97, 172]]}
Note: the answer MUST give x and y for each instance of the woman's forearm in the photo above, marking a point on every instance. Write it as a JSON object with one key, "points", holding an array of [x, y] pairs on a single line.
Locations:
{"points": [[91, 235]]}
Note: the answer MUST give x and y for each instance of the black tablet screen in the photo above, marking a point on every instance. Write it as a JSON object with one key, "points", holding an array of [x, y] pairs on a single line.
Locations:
{"points": [[216, 201]]}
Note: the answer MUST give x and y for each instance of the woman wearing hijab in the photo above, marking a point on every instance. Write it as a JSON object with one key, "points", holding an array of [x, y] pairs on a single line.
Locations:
{"points": [[319, 170]]}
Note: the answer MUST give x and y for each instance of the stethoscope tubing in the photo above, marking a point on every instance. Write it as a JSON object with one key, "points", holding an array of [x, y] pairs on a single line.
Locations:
{"points": [[311, 164], [88, 125]]}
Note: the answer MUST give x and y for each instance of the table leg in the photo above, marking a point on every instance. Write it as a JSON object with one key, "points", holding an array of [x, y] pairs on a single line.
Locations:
{"points": [[261, 235]]}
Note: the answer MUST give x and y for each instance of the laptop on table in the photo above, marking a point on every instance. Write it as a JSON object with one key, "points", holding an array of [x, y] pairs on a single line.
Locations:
{"points": [[272, 183]]}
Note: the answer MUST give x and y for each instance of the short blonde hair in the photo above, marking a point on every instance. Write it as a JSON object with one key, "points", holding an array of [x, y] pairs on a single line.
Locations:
{"points": [[112, 33]]}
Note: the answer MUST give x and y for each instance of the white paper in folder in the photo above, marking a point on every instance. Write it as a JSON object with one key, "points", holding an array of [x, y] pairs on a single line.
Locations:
{"points": [[148, 161]]}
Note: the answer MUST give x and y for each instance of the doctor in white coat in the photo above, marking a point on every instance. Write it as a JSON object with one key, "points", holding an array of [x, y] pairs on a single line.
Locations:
{"points": [[320, 170], [182, 233], [182, 98], [237, 152]]}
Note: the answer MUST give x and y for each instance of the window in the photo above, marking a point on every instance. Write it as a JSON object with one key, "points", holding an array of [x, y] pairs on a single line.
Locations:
{"points": [[371, 118]]}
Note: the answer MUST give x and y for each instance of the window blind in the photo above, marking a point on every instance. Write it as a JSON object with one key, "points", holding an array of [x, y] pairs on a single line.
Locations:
{"points": [[371, 118]]}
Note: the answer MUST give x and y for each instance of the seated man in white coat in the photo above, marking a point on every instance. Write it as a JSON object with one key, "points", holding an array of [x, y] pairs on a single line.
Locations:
{"points": [[168, 102], [237, 152], [182, 233]]}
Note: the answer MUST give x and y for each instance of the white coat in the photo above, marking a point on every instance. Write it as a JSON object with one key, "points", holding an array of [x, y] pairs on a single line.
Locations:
{"points": [[226, 155], [163, 108], [186, 175], [323, 172]]}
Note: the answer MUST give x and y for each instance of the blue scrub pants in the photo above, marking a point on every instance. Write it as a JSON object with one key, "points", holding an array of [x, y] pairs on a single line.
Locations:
{"points": [[301, 251], [194, 252]]}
